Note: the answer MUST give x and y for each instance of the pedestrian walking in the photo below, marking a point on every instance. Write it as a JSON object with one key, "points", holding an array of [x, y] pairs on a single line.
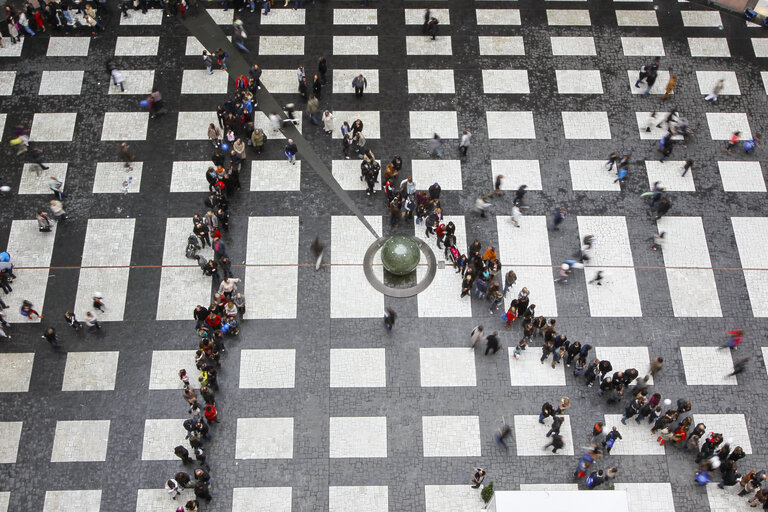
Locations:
{"points": [[126, 156], [558, 218], [466, 136], [478, 475], [546, 411], [290, 151], [610, 439], [359, 84], [92, 321], [492, 343], [51, 337], [595, 479], [734, 340], [557, 422], [556, 443], [716, 90], [389, 319], [671, 84], [501, 434]]}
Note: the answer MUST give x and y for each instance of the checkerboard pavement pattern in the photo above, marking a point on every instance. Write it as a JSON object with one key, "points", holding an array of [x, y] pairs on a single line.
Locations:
{"points": [[320, 410]]}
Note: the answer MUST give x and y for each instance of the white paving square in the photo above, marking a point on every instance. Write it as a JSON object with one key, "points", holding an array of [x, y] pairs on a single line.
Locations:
{"points": [[358, 437], [198, 81], [732, 426], [281, 45], [137, 81], [274, 175], [5, 497], [189, 176], [425, 124], [505, 81], [194, 125], [90, 371], [708, 79], [63, 501], [617, 296], [371, 498], [7, 79], [447, 367], [156, 500], [501, 45], [723, 124], [347, 173], [29, 248], [267, 368], [264, 438], [355, 17], [707, 366], [579, 81], [136, 45], [643, 120], [692, 286], [624, 358], [445, 172], [647, 496], [284, 17], [583, 45], [265, 499], [637, 18], [195, 47], [592, 175], [11, 435], [11, 50], [164, 372], [111, 178], [80, 441], [151, 17], [35, 181], [222, 17], [125, 126], [670, 175], [349, 241], [342, 80], [725, 500], [586, 125], [430, 81], [709, 47], [358, 368], [528, 370], [17, 371], [568, 17], [530, 436], [161, 436], [497, 16], [441, 498], [355, 45], [60, 83], [416, 16], [642, 46], [423, 45], [67, 46], [741, 176], [516, 173], [635, 439], [439, 300], [370, 118], [752, 244], [53, 127], [659, 86], [760, 45], [709, 18], [510, 125], [451, 436]]}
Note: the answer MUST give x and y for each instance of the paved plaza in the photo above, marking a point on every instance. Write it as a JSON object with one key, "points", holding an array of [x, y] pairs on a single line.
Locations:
{"points": [[320, 409]]}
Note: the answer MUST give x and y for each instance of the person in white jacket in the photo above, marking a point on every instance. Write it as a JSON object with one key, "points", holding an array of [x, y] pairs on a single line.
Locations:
{"points": [[228, 286]]}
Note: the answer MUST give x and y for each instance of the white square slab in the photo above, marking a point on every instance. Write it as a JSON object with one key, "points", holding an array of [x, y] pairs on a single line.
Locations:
{"points": [[659, 86], [53, 127], [445, 172], [221, 17], [416, 16], [60, 83], [371, 498], [11, 50], [760, 45], [732, 426], [531, 436], [11, 435], [709, 47], [702, 18], [423, 45], [125, 126], [349, 241], [358, 437], [164, 372], [272, 499], [726, 500], [181, 289], [137, 81], [516, 173], [510, 125], [529, 371], [281, 45], [501, 45], [358, 368], [7, 79], [35, 181], [355, 17], [151, 17], [647, 496], [355, 45], [441, 498], [347, 173], [195, 47], [194, 125], [637, 18], [505, 81], [284, 17], [624, 358], [156, 500], [189, 176], [586, 125], [370, 118], [635, 439], [447, 367], [198, 81], [573, 46], [451, 436], [342, 80], [111, 178], [579, 81], [161, 436], [670, 175], [274, 175], [741, 176], [425, 124], [568, 17], [68, 46], [497, 16], [644, 120], [90, 371], [64, 501], [136, 45], [430, 81], [707, 366], [264, 438], [80, 441], [268, 368], [752, 245], [723, 124], [438, 300], [642, 46]]}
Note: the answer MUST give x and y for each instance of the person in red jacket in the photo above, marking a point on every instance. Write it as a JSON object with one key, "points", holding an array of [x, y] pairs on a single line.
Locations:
{"points": [[211, 414]]}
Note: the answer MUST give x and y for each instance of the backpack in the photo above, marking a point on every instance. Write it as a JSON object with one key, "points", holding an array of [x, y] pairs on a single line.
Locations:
{"points": [[354, 82], [191, 251], [455, 254]]}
